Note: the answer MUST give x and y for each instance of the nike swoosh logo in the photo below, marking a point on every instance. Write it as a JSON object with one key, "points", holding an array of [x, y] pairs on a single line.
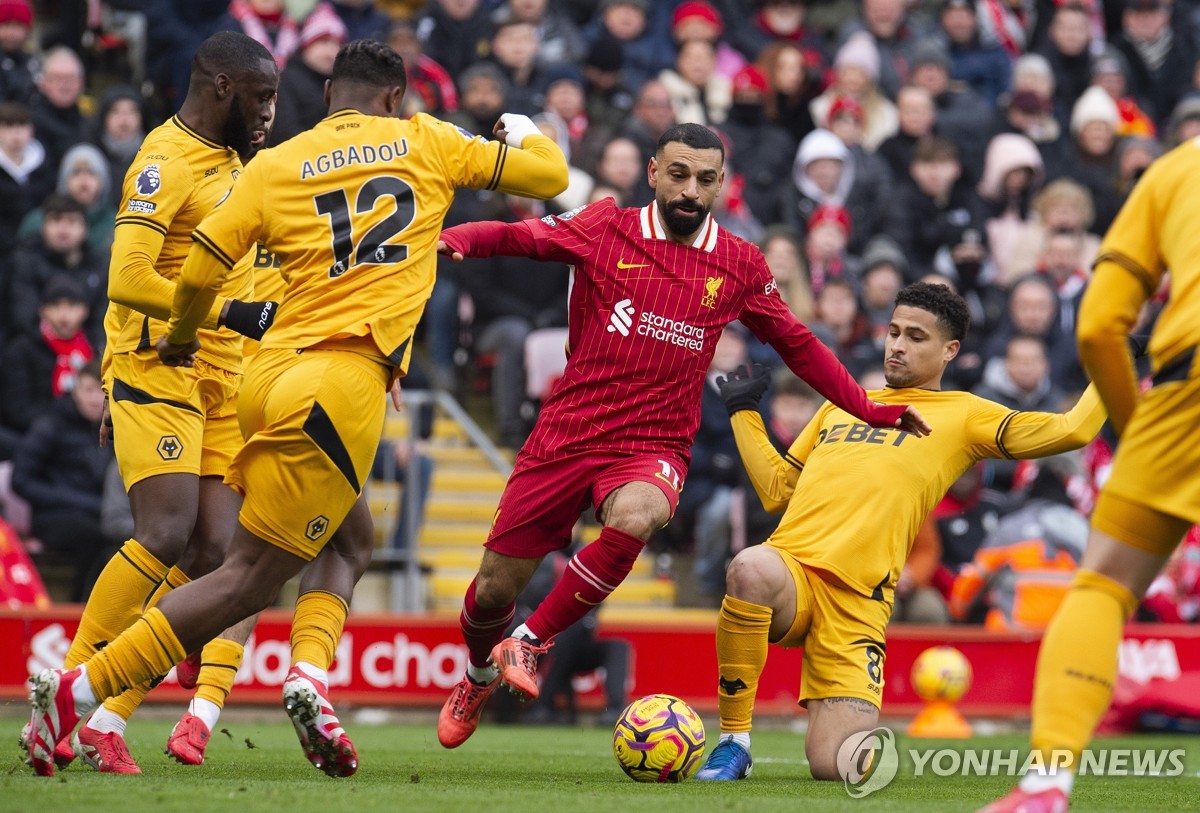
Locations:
{"points": [[621, 264], [584, 600]]}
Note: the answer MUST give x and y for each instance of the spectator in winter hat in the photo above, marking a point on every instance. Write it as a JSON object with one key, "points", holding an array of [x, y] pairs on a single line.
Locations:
{"points": [[698, 20], [1184, 123], [1094, 122], [118, 131], [1134, 155], [825, 247], [18, 67], [1111, 72], [762, 150], [84, 177], [887, 23], [42, 364], [827, 171], [855, 73]]}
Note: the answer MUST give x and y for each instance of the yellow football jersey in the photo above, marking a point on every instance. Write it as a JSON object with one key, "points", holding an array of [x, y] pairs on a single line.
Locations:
{"points": [[353, 209], [1152, 235], [177, 177], [853, 497]]}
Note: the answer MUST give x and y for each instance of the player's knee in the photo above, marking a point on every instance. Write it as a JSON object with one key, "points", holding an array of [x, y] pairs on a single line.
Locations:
{"points": [[199, 559], [163, 534], [823, 767], [496, 587], [354, 541], [755, 575], [640, 516]]}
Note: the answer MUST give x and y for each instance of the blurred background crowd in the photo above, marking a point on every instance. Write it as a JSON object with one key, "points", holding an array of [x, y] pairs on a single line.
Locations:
{"points": [[870, 143]]}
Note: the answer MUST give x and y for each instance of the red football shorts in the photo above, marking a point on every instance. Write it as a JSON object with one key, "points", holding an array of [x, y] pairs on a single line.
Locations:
{"points": [[544, 498]]}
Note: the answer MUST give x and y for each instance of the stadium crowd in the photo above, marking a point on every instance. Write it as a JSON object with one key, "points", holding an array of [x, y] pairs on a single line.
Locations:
{"points": [[986, 144]]}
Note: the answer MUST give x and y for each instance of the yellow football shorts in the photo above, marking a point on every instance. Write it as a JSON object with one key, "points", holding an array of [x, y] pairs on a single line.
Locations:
{"points": [[311, 422], [1157, 465], [171, 420], [842, 632]]}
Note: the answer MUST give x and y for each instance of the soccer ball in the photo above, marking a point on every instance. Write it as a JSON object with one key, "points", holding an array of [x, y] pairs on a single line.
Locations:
{"points": [[659, 739], [941, 673]]}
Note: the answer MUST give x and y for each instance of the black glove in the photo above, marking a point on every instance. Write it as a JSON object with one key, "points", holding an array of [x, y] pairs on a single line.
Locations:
{"points": [[744, 387], [251, 319], [1139, 344]]}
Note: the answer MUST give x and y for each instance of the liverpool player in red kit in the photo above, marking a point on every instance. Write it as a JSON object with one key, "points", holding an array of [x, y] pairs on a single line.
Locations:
{"points": [[652, 290]]}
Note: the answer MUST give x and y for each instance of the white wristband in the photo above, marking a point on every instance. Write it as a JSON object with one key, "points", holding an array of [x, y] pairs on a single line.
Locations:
{"points": [[518, 126]]}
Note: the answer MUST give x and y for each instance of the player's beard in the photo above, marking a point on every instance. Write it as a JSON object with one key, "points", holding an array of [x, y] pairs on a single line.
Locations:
{"points": [[237, 133], [681, 221]]}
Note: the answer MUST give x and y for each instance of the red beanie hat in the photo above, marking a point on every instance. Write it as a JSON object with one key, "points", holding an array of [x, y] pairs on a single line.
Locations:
{"points": [[697, 8], [830, 213], [16, 11], [844, 104], [749, 78]]}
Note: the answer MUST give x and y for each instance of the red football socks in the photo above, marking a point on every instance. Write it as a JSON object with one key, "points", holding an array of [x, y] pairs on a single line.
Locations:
{"points": [[593, 573]]}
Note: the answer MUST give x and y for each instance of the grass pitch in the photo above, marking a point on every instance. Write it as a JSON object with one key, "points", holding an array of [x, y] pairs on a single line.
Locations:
{"points": [[258, 768]]}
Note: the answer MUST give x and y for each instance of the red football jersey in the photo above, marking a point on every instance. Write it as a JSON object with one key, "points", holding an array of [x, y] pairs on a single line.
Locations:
{"points": [[645, 315]]}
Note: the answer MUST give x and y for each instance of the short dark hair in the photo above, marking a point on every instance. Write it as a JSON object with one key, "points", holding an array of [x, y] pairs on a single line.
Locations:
{"points": [[371, 63], [229, 52], [935, 148], [949, 308], [696, 136], [13, 114], [57, 205]]}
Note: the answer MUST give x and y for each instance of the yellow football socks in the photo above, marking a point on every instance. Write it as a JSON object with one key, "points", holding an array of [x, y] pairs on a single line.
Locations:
{"points": [[126, 703], [317, 627], [1077, 664], [742, 631], [128, 580], [147, 649], [219, 663]]}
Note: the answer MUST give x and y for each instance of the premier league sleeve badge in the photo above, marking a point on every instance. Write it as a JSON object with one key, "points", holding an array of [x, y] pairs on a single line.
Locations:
{"points": [[148, 180]]}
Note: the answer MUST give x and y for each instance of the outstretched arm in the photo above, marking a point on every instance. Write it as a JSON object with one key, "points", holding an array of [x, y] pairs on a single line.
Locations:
{"points": [[812, 361], [537, 168], [1038, 434], [489, 238]]}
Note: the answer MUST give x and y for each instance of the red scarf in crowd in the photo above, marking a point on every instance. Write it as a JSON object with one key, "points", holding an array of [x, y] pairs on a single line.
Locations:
{"points": [[70, 355]]}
